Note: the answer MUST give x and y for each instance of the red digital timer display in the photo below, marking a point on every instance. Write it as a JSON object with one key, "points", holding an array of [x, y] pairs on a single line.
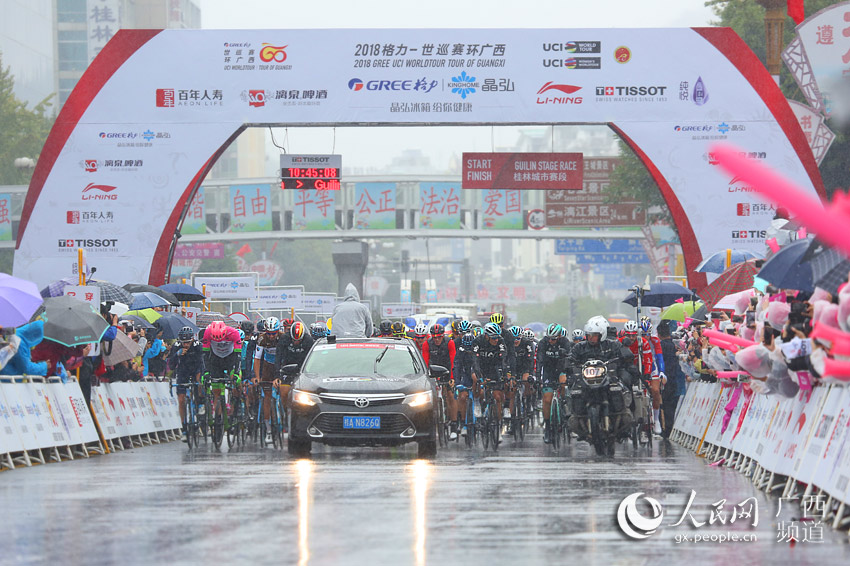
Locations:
{"points": [[323, 179]]}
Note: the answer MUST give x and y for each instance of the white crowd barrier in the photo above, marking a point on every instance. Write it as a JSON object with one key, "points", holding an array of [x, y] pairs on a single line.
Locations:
{"points": [[795, 447], [45, 420]]}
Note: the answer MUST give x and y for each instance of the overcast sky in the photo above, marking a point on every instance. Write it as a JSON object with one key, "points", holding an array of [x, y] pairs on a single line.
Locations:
{"points": [[374, 148]]}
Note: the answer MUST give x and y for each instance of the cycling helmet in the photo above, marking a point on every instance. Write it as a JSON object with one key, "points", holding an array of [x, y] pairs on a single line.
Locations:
{"points": [[247, 327], [272, 324], [492, 330], [217, 331], [468, 339], [563, 332], [241, 334], [476, 324], [287, 322], [319, 330], [528, 333], [398, 328], [630, 327], [497, 318], [477, 331], [463, 326], [516, 332], [421, 331], [596, 325], [386, 327], [438, 330], [296, 331], [646, 325], [554, 330], [186, 333], [261, 325], [578, 335]]}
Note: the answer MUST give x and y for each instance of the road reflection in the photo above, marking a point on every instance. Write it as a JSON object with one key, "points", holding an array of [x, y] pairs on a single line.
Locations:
{"points": [[420, 471], [304, 471]]}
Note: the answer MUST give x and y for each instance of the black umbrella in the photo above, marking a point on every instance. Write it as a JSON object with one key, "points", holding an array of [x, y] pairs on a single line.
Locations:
{"points": [[790, 268], [141, 288], [183, 291], [701, 314], [661, 295], [829, 269], [72, 322], [171, 323], [137, 321], [112, 292], [208, 317]]}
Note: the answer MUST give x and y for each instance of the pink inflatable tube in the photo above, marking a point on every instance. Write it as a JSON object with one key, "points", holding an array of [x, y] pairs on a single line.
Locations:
{"points": [[840, 340], [728, 338]]}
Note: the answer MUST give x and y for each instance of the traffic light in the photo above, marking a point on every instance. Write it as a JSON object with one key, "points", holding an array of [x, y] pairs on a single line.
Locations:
{"points": [[405, 261]]}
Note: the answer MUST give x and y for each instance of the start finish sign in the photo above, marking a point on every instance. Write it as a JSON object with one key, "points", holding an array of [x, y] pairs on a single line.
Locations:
{"points": [[523, 171]]}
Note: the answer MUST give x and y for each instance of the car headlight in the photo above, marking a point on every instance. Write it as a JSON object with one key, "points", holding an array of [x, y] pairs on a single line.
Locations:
{"points": [[418, 399], [305, 399]]}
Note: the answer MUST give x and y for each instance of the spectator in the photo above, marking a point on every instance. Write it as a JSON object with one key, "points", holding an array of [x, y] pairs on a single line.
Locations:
{"points": [[675, 387], [351, 318], [152, 361], [21, 363]]}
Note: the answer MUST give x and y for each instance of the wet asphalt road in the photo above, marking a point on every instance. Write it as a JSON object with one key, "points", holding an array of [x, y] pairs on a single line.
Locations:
{"points": [[524, 505]]}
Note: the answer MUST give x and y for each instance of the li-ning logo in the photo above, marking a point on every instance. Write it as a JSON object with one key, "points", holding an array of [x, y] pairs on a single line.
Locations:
{"points": [[95, 196], [635, 525]]}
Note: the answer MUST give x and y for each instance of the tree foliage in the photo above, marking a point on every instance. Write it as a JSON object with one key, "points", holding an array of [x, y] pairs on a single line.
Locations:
{"points": [[24, 130]]}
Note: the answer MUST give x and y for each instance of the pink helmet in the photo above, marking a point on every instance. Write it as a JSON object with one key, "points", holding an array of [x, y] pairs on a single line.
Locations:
{"points": [[217, 331]]}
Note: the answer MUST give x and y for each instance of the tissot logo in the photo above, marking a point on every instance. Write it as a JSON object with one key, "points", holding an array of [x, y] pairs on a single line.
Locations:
{"points": [[88, 243], [630, 90], [749, 234]]}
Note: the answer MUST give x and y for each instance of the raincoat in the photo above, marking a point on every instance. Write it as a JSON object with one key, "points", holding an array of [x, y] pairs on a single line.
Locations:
{"points": [[31, 335], [351, 318]]}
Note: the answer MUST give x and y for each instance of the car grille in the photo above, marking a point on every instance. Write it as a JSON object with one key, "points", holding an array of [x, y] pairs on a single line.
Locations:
{"points": [[391, 423], [374, 400]]}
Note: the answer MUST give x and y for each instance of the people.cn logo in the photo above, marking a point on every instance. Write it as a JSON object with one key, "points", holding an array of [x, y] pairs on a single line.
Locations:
{"points": [[256, 98], [105, 189], [355, 85], [635, 525], [165, 97], [274, 53]]}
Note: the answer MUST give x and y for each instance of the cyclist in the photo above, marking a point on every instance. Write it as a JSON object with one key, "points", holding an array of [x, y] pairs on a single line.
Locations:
{"points": [[385, 328], [420, 335], [319, 330], [463, 327], [222, 349], [265, 368], [524, 351], [465, 371], [658, 376], [550, 372], [398, 329], [249, 344], [187, 362], [498, 319], [492, 354], [578, 336], [441, 352], [291, 349]]}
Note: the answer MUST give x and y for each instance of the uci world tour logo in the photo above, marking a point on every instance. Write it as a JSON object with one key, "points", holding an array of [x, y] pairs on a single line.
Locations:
{"points": [[635, 525]]}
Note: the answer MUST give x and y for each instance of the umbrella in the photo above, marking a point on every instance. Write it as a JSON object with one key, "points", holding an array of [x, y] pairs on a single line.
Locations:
{"points": [[72, 322], [730, 302], [19, 299], [140, 288], [136, 320], [112, 292], [171, 323], [207, 317], [701, 314], [148, 314], [183, 291], [678, 311], [57, 288], [147, 301], [538, 327], [737, 278], [829, 269], [790, 268], [661, 295], [123, 348], [716, 262]]}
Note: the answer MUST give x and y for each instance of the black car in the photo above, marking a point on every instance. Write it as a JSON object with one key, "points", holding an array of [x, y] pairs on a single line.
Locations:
{"points": [[363, 392]]}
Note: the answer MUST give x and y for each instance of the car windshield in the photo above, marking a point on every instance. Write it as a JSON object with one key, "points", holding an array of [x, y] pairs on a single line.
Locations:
{"points": [[362, 359]]}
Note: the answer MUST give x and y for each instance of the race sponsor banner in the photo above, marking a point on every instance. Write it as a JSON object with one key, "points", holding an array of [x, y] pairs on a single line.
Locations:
{"points": [[439, 205], [173, 117], [833, 468], [236, 287], [797, 434], [87, 293], [125, 408], [767, 452], [206, 250], [5, 217], [501, 209], [559, 171], [104, 410], [49, 414], [148, 399], [279, 298], [195, 221], [374, 206], [398, 310], [322, 303], [313, 210], [250, 208], [20, 406], [167, 404], [713, 433], [10, 437], [818, 422], [72, 403]]}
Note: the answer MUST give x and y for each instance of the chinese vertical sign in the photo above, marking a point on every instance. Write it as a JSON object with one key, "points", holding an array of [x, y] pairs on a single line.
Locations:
{"points": [[250, 208], [826, 42], [5, 217], [196, 217], [501, 210], [103, 20], [313, 210], [374, 206], [439, 205]]}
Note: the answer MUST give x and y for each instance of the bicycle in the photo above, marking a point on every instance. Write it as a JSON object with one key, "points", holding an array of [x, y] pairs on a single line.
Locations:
{"points": [[643, 416], [532, 413], [556, 418], [470, 422], [190, 422], [491, 420], [443, 422], [518, 415], [221, 421], [275, 414], [236, 432]]}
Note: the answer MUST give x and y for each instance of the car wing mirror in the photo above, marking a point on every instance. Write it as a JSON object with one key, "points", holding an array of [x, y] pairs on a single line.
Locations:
{"points": [[437, 371]]}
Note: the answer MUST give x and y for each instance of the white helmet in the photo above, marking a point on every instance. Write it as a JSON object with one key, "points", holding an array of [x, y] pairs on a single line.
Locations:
{"points": [[597, 325], [630, 327], [420, 330]]}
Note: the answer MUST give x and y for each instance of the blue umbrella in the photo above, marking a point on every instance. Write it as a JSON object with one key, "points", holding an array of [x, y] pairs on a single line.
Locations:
{"points": [[716, 262], [183, 292], [171, 323], [145, 300], [789, 268], [661, 295]]}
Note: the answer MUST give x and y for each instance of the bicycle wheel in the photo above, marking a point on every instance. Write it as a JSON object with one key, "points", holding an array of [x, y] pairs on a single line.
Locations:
{"points": [[281, 422], [495, 432], [555, 423], [233, 424], [485, 426], [218, 423], [442, 438], [188, 425], [275, 414]]}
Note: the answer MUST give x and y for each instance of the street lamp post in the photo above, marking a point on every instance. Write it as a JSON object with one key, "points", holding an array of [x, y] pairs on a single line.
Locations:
{"points": [[774, 26]]}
